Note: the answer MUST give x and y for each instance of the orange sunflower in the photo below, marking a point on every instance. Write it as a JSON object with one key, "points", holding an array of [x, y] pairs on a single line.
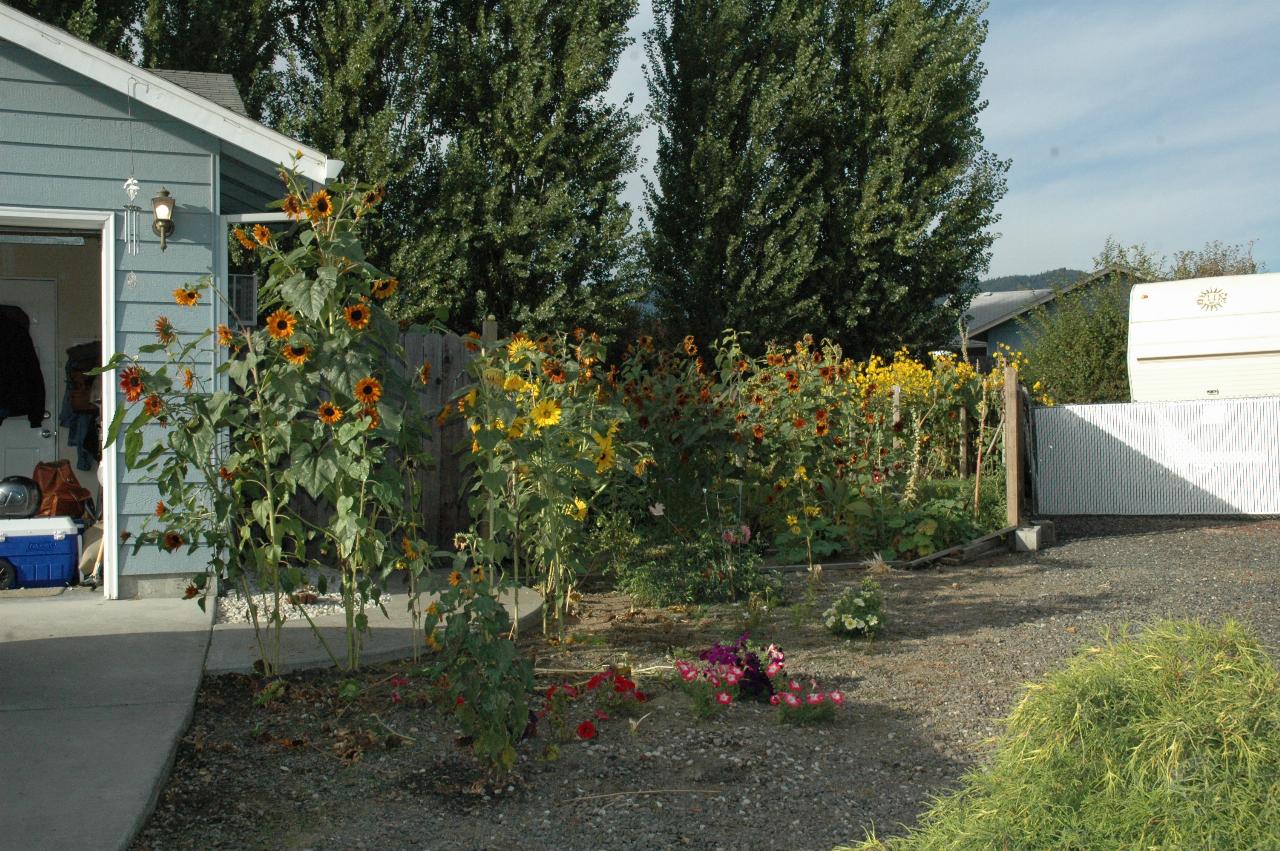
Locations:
{"points": [[293, 206], [161, 509], [319, 206], [224, 335], [455, 579], [424, 372], [188, 378], [757, 432], [164, 330], [243, 239], [172, 541], [472, 343], [297, 354], [262, 234], [368, 391], [357, 316], [329, 413], [281, 324], [131, 384], [153, 405], [371, 414], [186, 296], [821, 429], [690, 348], [384, 287], [225, 474]]}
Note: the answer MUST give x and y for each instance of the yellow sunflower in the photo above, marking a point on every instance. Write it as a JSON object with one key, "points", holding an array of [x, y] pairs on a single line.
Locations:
{"points": [[382, 288], [545, 413], [186, 296], [297, 354], [243, 239], [293, 207], [262, 234], [368, 390], [281, 324], [578, 510], [357, 316], [224, 335], [319, 206], [455, 579], [188, 378], [329, 413], [520, 346], [690, 348]]}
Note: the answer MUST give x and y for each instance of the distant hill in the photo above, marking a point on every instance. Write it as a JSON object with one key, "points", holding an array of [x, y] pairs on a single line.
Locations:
{"points": [[1045, 280]]}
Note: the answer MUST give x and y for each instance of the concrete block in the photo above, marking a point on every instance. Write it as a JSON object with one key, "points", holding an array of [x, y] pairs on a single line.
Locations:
{"points": [[1030, 538], [154, 585]]}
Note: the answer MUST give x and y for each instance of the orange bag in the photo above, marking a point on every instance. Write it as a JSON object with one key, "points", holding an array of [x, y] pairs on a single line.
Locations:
{"points": [[61, 494]]}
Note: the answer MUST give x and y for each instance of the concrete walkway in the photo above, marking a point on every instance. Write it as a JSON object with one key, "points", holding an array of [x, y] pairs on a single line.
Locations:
{"points": [[94, 695]]}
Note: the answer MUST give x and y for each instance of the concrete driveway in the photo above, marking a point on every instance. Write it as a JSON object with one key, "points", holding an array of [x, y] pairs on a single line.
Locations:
{"points": [[94, 695]]}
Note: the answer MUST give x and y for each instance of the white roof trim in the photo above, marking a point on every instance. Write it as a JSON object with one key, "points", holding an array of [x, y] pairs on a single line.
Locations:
{"points": [[170, 98]]}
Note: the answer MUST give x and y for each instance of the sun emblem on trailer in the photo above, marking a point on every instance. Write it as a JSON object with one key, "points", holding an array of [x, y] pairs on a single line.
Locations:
{"points": [[1212, 299]]}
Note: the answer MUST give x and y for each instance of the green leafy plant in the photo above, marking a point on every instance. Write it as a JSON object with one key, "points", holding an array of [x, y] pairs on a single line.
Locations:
{"points": [[308, 404], [857, 611], [705, 569], [1164, 738]]}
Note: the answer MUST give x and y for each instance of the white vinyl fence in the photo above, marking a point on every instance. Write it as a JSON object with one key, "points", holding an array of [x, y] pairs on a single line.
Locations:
{"points": [[1219, 456]]}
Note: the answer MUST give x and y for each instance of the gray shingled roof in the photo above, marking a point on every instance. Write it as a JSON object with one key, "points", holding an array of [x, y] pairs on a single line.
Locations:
{"points": [[219, 88], [989, 309]]}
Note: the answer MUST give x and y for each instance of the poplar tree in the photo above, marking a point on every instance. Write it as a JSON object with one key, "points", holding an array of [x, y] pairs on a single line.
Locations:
{"points": [[108, 24], [522, 217], [820, 168], [237, 37]]}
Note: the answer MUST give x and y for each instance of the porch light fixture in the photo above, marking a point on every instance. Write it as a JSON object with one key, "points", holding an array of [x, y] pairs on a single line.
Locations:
{"points": [[162, 205]]}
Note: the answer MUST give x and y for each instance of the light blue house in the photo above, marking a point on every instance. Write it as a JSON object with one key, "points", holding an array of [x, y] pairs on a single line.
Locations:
{"points": [[75, 124]]}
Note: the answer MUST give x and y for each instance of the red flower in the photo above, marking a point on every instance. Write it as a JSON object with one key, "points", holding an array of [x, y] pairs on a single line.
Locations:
{"points": [[595, 681], [396, 682], [641, 697], [395, 697], [459, 700], [131, 383], [586, 730], [622, 685]]}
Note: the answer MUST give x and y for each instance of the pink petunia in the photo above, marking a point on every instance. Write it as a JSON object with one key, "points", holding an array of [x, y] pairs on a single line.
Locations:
{"points": [[732, 678], [746, 534], [724, 698], [775, 699], [793, 685], [601, 715], [837, 698], [815, 698], [790, 699], [689, 675], [773, 670], [728, 537]]}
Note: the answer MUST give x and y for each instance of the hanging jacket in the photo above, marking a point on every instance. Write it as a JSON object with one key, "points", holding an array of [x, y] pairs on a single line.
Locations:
{"points": [[21, 381]]}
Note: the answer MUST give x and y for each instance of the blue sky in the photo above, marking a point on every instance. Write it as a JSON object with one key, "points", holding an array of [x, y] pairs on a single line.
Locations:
{"points": [[1153, 122]]}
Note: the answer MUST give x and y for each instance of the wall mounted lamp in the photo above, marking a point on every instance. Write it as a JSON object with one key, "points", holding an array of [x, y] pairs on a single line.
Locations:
{"points": [[162, 205]]}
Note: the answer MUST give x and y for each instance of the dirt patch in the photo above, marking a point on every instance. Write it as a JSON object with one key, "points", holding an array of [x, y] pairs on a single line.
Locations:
{"points": [[309, 771]]}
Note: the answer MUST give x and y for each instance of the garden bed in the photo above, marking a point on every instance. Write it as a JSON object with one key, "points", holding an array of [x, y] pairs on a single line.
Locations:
{"points": [[308, 771]]}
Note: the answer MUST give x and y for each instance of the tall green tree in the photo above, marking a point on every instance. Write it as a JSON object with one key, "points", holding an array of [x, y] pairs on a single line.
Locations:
{"points": [[354, 85], [109, 24], [738, 89], [861, 187], [522, 217], [237, 37]]}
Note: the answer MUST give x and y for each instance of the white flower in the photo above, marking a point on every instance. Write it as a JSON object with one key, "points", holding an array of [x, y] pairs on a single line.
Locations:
{"points": [[858, 601], [657, 509], [831, 622], [848, 621], [873, 620]]}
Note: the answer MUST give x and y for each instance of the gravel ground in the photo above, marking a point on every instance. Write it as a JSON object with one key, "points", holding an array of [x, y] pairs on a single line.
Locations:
{"points": [[234, 608], [924, 700]]}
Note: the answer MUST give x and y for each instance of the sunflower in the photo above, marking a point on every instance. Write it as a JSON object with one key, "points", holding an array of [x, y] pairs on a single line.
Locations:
{"points": [[296, 353], [554, 371], [243, 239], [605, 453], [371, 414], [161, 509], [384, 287], [164, 330], [319, 206], [186, 296], [368, 390], [757, 432], [131, 384], [373, 197], [520, 346], [820, 415], [407, 546], [357, 316], [690, 348], [472, 343], [424, 372], [153, 405], [293, 206], [477, 574], [225, 474], [329, 413], [281, 324], [172, 541], [225, 336], [262, 234], [821, 429], [455, 579], [545, 413], [188, 378], [577, 510]]}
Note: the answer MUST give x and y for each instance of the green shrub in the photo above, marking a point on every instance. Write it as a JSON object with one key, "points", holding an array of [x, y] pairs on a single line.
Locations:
{"points": [[1166, 739], [856, 612], [703, 570]]}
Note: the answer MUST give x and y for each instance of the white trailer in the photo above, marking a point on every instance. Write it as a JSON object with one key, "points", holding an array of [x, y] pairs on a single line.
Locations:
{"points": [[1205, 338]]}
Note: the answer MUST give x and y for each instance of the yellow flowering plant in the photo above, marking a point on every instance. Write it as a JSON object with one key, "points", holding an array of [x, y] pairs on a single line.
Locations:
{"points": [[304, 406]]}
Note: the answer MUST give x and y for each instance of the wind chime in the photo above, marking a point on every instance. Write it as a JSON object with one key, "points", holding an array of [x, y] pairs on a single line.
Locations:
{"points": [[132, 212]]}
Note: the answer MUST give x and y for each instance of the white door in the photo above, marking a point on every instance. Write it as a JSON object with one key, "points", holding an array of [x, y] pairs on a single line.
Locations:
{"points": [[22, 446]]}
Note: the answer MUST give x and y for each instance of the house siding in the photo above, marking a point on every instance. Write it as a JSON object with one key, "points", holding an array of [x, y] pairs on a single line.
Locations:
{"points": [[67, 141]]}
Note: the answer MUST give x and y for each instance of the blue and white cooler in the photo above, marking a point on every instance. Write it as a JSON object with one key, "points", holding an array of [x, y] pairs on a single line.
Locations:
{"points": [[38, 552]]}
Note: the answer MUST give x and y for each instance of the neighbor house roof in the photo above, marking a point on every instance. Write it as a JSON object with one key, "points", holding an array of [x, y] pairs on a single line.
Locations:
{"points": [[219, 88], [166, 95], [988, 309]]}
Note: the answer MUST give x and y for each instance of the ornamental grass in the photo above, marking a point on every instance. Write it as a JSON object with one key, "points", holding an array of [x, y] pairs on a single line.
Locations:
{"points": [[1169, 738]]}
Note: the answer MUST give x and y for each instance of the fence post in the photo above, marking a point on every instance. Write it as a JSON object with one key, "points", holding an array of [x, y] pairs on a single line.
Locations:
{"points": [[963, 414], [1013, 463], [489, 330]]}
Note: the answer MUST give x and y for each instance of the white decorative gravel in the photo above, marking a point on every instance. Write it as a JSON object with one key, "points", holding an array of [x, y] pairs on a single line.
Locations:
{"points": [[234, 608]]}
